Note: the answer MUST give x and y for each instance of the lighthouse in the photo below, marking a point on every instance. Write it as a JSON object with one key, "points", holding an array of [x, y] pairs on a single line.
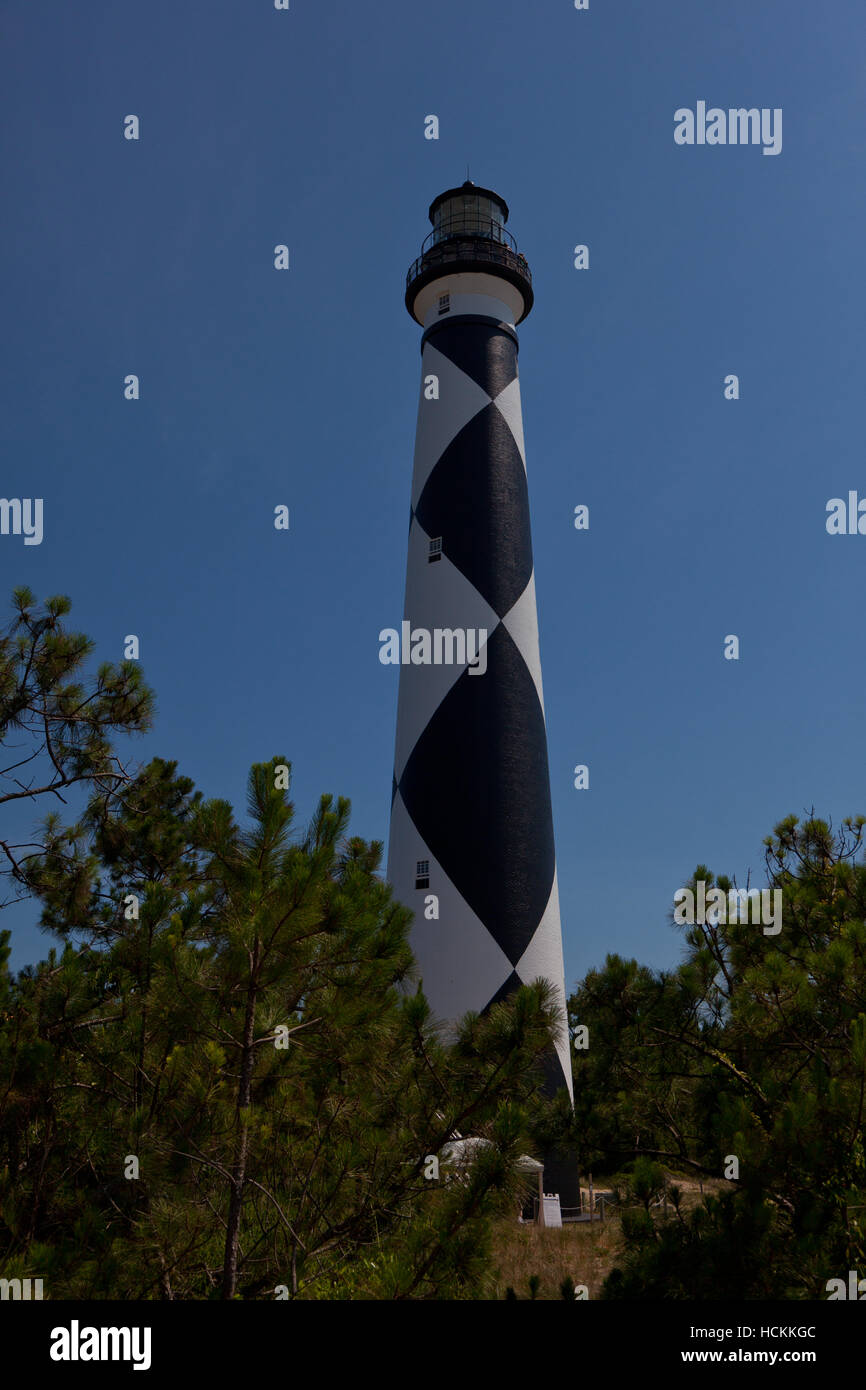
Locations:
{"points": [[471, 845]]}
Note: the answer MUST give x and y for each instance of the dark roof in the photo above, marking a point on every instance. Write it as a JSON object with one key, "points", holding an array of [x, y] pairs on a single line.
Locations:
{"points": [[469, 187]]}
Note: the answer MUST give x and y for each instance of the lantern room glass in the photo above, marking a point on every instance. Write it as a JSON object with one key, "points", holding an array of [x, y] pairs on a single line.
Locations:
{"points": [[468, 214]]}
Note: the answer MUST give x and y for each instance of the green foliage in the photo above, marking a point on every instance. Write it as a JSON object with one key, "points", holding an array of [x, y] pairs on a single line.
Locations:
{"points": [[193, 949], [728, 1248], [647, 1181], [637, 1227], [755, 1048], [57, 726]]}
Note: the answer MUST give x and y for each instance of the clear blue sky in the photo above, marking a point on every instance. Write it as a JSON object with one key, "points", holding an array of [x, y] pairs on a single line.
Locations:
{"points": [[261, 387]]}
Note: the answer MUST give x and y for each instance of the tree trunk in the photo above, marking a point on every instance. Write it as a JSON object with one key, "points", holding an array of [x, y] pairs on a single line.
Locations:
{"points": [[239, 1166]]}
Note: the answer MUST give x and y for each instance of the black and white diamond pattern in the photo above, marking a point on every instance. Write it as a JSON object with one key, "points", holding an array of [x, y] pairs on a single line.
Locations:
{"points": [[471, 782]]}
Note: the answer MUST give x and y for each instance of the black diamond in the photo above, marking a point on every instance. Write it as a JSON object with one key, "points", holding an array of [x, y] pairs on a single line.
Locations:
{"points": [[476, 499], [481, 350], [476, 786]]}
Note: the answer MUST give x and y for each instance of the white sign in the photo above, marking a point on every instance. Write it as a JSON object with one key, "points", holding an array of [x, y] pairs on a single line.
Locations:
{"points": [[551, 1213]]}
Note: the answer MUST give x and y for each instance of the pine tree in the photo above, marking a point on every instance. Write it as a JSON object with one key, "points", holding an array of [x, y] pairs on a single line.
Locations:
{"points": [[56, 728], [761, 1059], [231, 1011]]}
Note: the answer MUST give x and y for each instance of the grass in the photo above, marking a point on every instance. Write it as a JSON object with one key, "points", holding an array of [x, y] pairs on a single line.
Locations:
{"points": [[584, 1252]]}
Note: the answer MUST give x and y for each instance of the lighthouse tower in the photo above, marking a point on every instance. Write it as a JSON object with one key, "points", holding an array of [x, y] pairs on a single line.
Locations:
{"points": [[471, 846]]}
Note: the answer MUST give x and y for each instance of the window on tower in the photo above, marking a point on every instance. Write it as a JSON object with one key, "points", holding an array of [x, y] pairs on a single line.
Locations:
{"points": [[422, 873], [444, 303], [435, 552]]}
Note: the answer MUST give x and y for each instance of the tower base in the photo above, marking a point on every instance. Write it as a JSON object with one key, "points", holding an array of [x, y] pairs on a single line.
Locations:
{"points": [[561, 1175]]}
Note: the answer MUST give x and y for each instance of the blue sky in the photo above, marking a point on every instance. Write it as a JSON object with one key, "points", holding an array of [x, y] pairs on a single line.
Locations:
{"points": [[259, 387]]}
